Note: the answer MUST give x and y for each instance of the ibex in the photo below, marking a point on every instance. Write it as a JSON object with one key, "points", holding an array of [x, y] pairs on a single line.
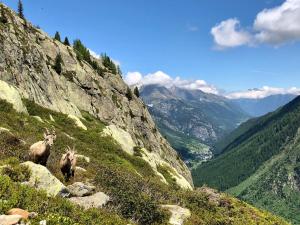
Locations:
{"points": [[68, 163], [40, 151]]}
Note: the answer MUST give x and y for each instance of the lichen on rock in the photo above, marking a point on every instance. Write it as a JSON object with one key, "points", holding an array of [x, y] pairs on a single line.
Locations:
{"points": [[42, 179], [11, 95]]}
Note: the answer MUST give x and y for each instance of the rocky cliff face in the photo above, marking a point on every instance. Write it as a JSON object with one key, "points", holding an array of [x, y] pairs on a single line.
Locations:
{"points": [[27, 56]]}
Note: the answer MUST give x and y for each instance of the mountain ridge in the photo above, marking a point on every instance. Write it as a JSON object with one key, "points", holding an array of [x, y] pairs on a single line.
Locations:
{"points": [[262, 106], [191, 119]]}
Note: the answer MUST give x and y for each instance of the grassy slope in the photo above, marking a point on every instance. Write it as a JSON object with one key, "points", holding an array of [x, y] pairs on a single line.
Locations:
{"points": [[112, 171], [250, 150]]}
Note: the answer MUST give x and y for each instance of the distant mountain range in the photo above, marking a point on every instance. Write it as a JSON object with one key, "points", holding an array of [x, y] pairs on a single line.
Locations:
{"points": [[260, 163], [194, 121], [262, 106], [190, 119]]}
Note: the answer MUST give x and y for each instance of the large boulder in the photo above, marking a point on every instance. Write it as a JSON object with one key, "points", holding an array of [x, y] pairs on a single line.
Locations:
{"points": [[10, 219], [178, 214], [77, 121], [122, 137], [97, 200], [42, 179], [79, 189]]}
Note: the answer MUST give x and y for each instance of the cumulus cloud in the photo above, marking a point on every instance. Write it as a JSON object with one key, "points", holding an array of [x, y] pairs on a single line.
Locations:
{"points": [[228, 34], [280, 24], [163, 79], [263, 92], [273, 26]]}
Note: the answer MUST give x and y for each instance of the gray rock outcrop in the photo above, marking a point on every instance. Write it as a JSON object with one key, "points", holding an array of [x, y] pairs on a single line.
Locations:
{"points": [[97, 200], [178, 214], [79, 189]]}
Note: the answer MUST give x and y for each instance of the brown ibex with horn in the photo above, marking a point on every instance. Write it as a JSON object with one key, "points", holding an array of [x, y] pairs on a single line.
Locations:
{"points": [[68, 163], [40, 151]]}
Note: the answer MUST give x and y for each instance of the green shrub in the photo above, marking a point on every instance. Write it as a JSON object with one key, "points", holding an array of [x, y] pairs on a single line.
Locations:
{"points": [[109, 64], [83, 53], [3, 18], [136, 92], [129, 196], [66, 41], [58, 64], [97, 68], [129, 94], [57, 36], [21, 10], [69, 75], [54, 210], [137, 151], [55, 219], [16, 173], [166, 172], [6, 107], [119, 70]]}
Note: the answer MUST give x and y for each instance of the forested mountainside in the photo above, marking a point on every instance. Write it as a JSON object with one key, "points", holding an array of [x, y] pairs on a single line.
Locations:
{"points": [[262, 106], [127, 171], [260, 162], [191, 120]]}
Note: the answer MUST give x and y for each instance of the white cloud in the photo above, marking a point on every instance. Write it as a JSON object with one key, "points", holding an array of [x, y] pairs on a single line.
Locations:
{"points": [[280, 24], [133, 78], [98, 56], [94, 54], [263, 92], [228, 34], [117, 62], [163, 79], [273, 26]]}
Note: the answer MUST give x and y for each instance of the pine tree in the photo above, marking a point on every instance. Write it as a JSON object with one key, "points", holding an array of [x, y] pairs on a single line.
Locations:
{"points": [[57, 36], [109, 64], [136, 92], [82, 52], [3, 18], [129, 94], [66, 41], [21, 10], [119, 70], [57, 64]]}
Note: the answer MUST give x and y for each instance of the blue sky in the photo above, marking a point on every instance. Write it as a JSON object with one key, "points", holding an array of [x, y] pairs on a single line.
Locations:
{"points": [[174, 36]]}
